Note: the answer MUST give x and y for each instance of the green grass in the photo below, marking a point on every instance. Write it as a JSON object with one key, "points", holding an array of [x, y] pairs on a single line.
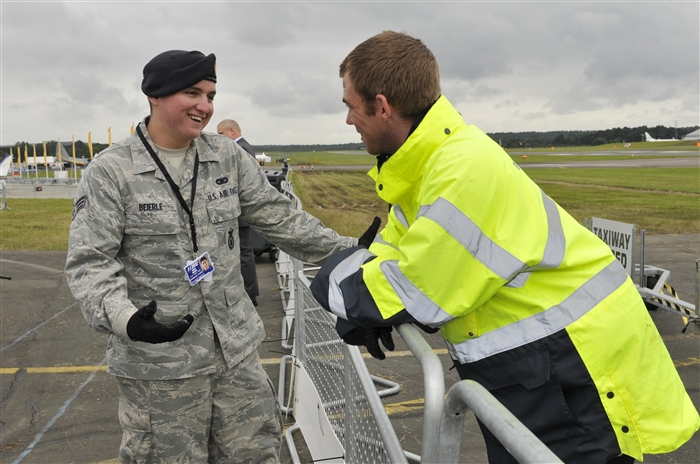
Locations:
{"points": [[33, 224], [677, 180], [661, 201], [685, 145], [323, 158], [558, 158], [344, 201], [540, 155]]}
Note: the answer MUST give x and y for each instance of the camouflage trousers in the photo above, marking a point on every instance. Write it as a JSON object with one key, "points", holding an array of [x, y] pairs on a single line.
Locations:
{"points": [[228, 417]]}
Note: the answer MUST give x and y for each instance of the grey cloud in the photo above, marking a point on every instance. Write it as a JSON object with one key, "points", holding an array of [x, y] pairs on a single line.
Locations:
{"points": [[300, 94], [470, 92], [591, 60]]}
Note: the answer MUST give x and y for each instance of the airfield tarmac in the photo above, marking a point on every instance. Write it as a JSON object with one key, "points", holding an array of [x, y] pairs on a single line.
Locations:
{"points": [[60, 406]]}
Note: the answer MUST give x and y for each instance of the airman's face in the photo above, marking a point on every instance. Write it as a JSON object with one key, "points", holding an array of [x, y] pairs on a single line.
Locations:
{"points": [[371, 127], [183, 115]]}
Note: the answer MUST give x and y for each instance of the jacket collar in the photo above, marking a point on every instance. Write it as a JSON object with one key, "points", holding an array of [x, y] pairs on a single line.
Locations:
{"points": [[400, 172], [142, 161]]}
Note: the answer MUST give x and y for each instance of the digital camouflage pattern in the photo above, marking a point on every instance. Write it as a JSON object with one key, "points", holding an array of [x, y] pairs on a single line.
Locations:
{"points": [[130, 240], [240, 423]]}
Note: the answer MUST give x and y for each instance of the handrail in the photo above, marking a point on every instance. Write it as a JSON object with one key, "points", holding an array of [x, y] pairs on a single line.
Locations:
{"points": [[510, 432], [391, 442], [433, 387]]}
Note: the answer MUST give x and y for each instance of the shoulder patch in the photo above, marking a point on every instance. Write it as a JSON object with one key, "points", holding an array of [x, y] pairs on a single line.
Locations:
{"points": [[78, 205]]}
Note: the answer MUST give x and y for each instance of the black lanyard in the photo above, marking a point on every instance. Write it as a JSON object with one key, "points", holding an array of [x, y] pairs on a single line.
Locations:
{"points": [[173, 185]]}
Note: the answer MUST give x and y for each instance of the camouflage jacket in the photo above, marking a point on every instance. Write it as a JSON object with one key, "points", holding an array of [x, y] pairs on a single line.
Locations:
{"points": [[130, 240]]}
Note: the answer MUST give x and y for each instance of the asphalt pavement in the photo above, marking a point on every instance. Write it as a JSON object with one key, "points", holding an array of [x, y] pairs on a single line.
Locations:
{"points": [[60, 406]]}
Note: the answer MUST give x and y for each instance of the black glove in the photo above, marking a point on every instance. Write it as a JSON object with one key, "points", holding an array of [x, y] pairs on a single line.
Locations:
{"points": [[368, 237], [361, 336], [143, 328]]}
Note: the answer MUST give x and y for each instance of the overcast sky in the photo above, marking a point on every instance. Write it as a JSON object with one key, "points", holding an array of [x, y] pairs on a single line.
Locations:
{"points": [[73, 67]]}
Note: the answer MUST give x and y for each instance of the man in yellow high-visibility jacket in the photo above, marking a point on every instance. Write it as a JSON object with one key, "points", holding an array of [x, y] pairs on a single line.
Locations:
{"points": [[531, 304]]}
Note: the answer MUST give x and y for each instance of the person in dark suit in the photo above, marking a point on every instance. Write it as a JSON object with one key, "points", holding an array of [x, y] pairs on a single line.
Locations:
{"points": [[232, 130]]}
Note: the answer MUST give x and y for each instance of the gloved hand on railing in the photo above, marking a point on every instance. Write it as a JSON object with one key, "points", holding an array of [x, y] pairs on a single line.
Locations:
{"points": [[361, 336], [371, 232], [143, 328]]}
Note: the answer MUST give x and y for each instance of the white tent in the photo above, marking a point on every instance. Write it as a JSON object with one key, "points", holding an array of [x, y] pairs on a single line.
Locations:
{"points": [[262, 157]]}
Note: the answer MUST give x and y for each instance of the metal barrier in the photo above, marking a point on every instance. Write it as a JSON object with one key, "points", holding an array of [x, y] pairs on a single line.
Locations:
{"points": [[29, 188], [333, 391], [525, 447], [3, 195], [443, 420], [338, 409]]}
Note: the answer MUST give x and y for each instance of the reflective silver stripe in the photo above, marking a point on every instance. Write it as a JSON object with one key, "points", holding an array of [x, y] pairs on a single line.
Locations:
{"points": [[466, 232], [555, 248], [347, 267], [543, 324], [417, 303], [556, 240], [379, 239], [519, 280], [398, 212]]}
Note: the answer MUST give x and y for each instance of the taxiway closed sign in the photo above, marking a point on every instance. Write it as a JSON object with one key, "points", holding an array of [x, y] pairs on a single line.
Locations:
{"points": [[619, 236]]}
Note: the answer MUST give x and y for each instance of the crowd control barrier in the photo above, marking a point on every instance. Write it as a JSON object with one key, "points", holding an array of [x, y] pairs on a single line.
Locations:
{"points": [[3, 195], [335, 401]]}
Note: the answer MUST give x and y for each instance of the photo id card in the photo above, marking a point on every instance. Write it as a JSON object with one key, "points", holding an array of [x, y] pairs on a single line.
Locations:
{"points": [[199, 269]]}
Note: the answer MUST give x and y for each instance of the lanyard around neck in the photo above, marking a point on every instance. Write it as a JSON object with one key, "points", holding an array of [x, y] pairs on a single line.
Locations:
{"points": [[174, 186]]}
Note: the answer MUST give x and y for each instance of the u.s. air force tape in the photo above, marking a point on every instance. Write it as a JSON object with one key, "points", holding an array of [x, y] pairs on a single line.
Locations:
{"points": [[78, 205]]}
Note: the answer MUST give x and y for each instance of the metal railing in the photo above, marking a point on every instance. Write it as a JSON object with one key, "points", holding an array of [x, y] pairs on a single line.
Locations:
{"points": [[346, 391], [3, 195], [443, 419], [343, 399]]}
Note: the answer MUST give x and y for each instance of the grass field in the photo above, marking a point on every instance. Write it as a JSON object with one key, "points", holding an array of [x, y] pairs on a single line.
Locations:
{"points": [[661, 201], [35, 224]]}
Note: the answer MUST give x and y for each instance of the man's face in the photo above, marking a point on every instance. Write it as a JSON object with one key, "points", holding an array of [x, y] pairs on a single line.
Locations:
{"points": [[183, 115], [372, 129]]}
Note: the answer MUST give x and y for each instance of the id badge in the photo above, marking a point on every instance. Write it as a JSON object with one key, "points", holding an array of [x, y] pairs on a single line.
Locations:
{"points": [[199, 269]]}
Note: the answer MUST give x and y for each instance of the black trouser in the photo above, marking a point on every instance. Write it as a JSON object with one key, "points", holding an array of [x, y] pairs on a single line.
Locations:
{"points": [[250, 276], [548, 388]]}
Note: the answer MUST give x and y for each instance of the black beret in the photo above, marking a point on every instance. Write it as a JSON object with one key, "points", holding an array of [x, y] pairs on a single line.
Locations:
{"points": [[175, 70]]}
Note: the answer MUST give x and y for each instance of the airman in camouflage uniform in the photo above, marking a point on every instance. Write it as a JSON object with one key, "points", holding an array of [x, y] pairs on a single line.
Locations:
{"points": [[202, 397]]}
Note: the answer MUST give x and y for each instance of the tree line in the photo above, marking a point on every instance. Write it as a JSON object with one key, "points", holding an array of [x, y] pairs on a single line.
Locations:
{"points": [[505, 139], [587, 138]]}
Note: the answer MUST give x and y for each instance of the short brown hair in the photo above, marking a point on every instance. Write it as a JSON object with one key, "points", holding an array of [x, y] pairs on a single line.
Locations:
{"points": [[398, 66]]}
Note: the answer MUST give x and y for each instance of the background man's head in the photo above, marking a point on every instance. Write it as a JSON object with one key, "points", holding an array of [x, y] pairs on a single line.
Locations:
{"points": [[229, 128], [180, 86], [398, 66]]}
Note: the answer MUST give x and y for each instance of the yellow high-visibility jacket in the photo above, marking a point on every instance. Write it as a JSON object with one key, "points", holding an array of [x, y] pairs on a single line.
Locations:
{"points": [[475, 247]]}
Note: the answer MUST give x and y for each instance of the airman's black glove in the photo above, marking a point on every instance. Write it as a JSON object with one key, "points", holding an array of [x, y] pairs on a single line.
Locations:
{"points": [[368, 237], [361, 336], [143, 328]]}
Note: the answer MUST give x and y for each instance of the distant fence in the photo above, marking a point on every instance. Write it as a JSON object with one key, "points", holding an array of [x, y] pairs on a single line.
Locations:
{"points": [[40, 188]]}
